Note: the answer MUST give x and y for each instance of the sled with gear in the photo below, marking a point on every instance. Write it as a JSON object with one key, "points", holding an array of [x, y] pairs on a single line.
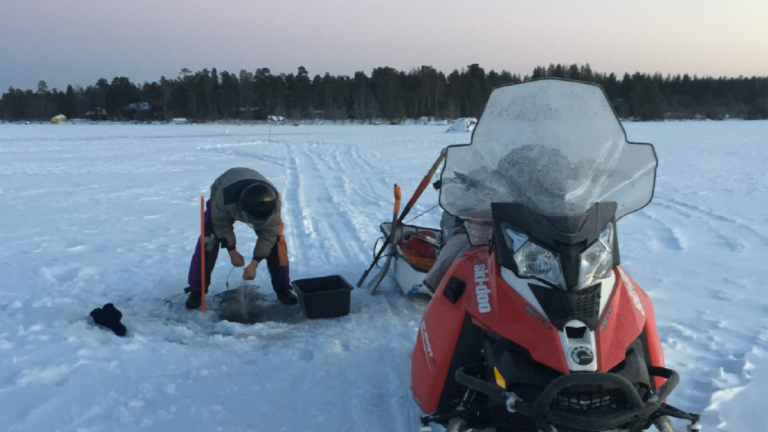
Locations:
{"points": [[389, 247], [415, 253], [541, 328]]}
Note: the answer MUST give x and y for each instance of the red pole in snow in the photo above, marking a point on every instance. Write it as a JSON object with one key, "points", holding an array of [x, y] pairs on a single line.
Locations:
{"points": [[203, 286]]}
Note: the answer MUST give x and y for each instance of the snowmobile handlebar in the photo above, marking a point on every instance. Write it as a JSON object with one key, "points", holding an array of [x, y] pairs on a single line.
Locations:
{"points": [[545, 417]]}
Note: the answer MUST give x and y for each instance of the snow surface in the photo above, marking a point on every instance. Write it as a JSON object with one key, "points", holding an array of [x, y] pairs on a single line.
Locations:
{"points": [[91, 214]]}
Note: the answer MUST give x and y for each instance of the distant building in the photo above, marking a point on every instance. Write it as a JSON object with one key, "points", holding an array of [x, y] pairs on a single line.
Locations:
{"points": [[463, 125], [61, 118], [137, 106], [179, 120]]}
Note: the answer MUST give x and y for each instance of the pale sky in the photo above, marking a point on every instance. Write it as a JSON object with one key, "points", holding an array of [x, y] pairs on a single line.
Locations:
{"points": [[79, 41]]}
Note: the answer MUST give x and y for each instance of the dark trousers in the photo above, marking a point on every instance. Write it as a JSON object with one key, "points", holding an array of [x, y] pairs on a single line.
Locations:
{"points": [[277, 261]]}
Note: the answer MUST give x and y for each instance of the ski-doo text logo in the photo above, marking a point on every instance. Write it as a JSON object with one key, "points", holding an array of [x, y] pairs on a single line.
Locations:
{"points": [[582, 355], [607, 317], [537, 316], [632, 293], [427, 345], [481, 290]]}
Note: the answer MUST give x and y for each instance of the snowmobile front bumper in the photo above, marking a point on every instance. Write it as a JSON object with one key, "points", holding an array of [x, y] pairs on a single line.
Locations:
{"points": [[637, 413]]}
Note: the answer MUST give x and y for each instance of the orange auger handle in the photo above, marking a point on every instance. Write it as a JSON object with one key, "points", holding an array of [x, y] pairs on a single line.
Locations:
{"points": [[397, 200], [423, 185], [202, 251]]}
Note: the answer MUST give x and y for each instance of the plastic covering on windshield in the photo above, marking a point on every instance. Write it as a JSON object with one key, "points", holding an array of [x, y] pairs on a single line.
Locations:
{"points": [[555, 146]]}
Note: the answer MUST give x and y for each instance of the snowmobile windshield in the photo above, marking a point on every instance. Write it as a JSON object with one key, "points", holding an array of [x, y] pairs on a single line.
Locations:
{"points": [[555, 146]]}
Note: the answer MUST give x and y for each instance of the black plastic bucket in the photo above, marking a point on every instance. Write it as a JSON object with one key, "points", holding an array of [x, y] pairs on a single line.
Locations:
{"points": [[323, 297]]}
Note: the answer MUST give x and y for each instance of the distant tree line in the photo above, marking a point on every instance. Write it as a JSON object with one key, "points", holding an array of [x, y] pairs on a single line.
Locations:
{"points": [[387, 94]]}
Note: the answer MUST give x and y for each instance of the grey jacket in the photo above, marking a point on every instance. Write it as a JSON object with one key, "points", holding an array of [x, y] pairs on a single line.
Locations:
{"points": [[225, 195]]}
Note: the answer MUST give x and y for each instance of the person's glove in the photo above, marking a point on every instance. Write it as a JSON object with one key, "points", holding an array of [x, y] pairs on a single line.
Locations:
{"points": [[109, 317]]}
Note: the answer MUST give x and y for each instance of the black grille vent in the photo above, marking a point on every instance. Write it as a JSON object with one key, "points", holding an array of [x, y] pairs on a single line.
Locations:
{"points": [[562, 306], [581, 401]]}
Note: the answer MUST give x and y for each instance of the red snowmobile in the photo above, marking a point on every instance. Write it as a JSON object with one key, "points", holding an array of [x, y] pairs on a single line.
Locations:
{"points": [[538, 327]]}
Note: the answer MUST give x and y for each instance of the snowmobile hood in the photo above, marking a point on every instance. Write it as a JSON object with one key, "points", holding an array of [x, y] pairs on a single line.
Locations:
{"points": [[555, 146]]}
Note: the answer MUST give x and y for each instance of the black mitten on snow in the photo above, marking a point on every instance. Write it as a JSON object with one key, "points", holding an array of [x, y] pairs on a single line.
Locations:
{"points": [[109, 317]]}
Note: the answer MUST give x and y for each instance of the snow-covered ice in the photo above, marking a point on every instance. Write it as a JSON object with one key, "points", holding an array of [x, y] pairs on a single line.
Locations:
{"points": [[91, 214]]}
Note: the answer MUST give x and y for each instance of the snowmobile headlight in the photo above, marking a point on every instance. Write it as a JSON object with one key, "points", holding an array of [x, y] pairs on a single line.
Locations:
{"points": [[597, 261], [534, 261]]}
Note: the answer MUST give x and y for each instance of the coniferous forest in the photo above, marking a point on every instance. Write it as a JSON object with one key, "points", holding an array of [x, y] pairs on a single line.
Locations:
{"points": [[386, 94]]}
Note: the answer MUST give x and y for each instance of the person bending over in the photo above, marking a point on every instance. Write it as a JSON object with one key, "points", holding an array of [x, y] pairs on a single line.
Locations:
{"points": [[244, 195]]}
